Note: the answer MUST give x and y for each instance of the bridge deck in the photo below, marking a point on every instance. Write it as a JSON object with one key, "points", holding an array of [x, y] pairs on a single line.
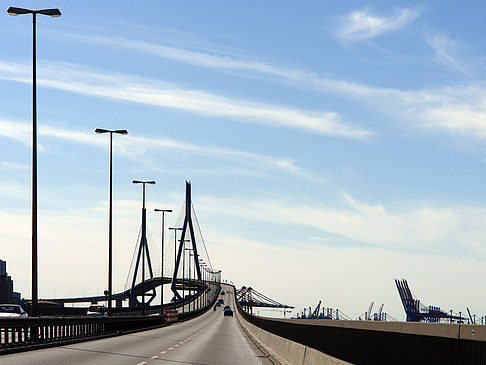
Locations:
{"points": [[208, 339]]}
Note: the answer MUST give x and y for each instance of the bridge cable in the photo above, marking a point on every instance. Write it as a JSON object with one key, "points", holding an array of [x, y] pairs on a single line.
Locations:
{"points": [[202, 238]]}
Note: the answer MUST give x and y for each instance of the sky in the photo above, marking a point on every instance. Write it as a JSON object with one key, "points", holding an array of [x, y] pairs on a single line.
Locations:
{"points": [[332, 146]]}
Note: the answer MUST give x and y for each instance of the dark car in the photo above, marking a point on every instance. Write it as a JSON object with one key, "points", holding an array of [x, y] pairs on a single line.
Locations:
{"points": [[227, 311], [221, 301], [222, 293], [97, 311]]}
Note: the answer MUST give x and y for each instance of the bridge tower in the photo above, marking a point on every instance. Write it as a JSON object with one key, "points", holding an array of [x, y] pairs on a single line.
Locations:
{"points": [[143, 256], [187, 227]]}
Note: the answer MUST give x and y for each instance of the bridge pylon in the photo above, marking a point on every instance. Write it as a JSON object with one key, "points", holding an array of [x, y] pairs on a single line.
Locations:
{"points": [[143, 256], [187, 227]]}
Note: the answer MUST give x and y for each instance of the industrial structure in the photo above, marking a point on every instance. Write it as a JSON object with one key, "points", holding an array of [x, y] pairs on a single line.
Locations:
{"points": [[249, 298], [318, 313], [418, 312]]}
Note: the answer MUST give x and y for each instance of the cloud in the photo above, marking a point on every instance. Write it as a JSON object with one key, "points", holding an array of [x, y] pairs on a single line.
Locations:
{"points": [[421, 228], [361, 25], [137, 147], [444, 48], [454, 109], [370, 264], [20, 132], [86, 81], [13, 165]]}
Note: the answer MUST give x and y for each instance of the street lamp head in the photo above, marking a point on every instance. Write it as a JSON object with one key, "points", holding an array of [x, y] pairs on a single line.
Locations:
{"points": [[163, 210], [55, 13], [151, 182], [17, 11], [118, 131]]}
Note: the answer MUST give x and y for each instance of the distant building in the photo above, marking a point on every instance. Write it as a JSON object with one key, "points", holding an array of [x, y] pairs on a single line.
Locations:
{"points": [[7, 294]]}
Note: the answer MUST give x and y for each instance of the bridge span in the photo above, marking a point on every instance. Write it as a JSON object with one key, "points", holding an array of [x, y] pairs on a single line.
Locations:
{"points": [[209, 339]]}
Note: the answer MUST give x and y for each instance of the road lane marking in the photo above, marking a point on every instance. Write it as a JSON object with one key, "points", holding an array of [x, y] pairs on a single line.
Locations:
{"points": [[180, 343], [142, 363]]}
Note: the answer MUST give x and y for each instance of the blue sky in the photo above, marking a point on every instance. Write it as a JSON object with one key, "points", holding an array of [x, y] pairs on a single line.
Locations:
{"points": [[331, 147]]}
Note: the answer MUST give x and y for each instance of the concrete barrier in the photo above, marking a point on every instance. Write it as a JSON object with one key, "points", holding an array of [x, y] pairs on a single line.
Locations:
{"points": [[291, 352]]}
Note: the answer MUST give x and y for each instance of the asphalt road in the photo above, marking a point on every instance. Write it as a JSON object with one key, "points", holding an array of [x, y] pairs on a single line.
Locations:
{"points": [[209, 339]]}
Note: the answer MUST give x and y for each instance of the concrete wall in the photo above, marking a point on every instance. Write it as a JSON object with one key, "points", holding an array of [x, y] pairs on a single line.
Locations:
{"points": [[368, 342], [447, 330], [363, 343], [292, 352]]}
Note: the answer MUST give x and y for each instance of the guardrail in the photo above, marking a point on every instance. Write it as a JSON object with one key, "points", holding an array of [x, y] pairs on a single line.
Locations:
{"points": [[20, 334]]}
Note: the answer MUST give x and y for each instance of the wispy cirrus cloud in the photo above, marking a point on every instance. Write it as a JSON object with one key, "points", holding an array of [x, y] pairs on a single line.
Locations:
{"points": [[445, 48], [459, 108], [13, 165], [362, 24], [455, 109], [419, 228], [138, 147], [82, 80]]}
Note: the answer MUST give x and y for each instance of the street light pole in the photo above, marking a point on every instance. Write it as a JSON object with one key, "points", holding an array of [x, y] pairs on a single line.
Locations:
{"points": [[189, 290], [163, 211], [175, 229], [53, 13], [144, 236], [183, 243], [203, 265], [110, 214]]}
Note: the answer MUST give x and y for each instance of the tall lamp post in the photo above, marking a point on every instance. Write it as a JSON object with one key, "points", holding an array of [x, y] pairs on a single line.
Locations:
{"points": [[201, 297], [53, 13], [203, 265], [110, 213], [144, 236], [191, 291], [163, 211], [175, 229], [183, 243]]}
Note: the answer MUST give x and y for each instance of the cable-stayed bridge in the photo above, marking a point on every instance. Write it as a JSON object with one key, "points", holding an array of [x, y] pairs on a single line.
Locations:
{"points": [[194, 326]]}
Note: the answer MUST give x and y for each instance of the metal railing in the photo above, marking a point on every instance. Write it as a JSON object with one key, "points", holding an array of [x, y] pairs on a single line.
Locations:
{"points": [[29, 333]]}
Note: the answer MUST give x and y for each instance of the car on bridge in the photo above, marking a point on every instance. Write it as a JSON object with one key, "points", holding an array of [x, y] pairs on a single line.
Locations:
{"points": [[227, 311], [12, 311], [220, 301], [96, 311]]}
